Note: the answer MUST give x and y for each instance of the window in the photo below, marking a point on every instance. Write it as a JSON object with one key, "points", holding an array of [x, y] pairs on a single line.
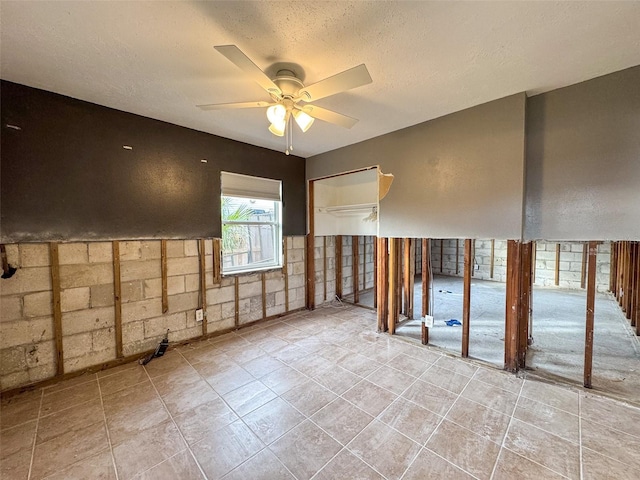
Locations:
{"points": [[251, 223]]}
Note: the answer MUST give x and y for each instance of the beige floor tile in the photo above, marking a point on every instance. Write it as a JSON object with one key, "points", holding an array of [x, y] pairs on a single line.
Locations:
{"points": [[612, 443], [171, 362], [19, 409], [16, 465], [262, 366], [96, 467], [409, 365], [283, 379], [490, 396], [147, 449], [204, 420], [67, 449], [263, 466], [181, 466], [244, 354], [289, 353], [338, 380], [410, 419], [273, 420], [456, 365], [225, 449], [426, 354], [359, 364], [14, 439], [443, 378], [309, 397], [247, 398], [346, 465], [391, 379], [370, 397], [123, 379], [119, 369], [555, 395], [498, 378], [204, 353], [386, 450], [511, 466], [429, 465], [342, 420], [184, 399], [229, 379], [167, 384], [611, 413], [548, 418], [305, 450], [61, 399], [71, 419], [484, 421], [596, 467], [468, 451], [335, 353], [430, 397], [312, 365], [549, 450], [72, 382]]}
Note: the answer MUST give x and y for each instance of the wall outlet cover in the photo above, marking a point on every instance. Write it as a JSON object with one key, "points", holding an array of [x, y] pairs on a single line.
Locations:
{"points": [[199, 315], [428, 321]]}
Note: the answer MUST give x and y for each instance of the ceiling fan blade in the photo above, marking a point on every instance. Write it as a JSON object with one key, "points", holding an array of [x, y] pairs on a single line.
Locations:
{"points": [[244, 63], [329, 116], [352, 78], [221, 106]]}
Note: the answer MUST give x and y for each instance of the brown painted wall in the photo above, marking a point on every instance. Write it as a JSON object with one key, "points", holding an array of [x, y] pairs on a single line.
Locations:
{"points": [[66, 176]]}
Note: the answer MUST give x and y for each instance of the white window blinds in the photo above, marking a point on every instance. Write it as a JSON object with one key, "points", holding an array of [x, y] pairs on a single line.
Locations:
{"points": [[245, 186]]}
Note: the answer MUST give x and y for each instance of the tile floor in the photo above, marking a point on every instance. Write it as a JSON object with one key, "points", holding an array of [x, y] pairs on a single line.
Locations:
{"points": [[314, 395]]}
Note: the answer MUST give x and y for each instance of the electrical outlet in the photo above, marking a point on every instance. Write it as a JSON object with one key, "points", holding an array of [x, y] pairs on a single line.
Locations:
{"points": [[199, 315], [476, 267], [428, 321]]}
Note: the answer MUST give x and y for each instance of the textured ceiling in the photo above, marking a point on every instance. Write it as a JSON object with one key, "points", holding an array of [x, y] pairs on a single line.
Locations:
{"points": [[427, 59]]}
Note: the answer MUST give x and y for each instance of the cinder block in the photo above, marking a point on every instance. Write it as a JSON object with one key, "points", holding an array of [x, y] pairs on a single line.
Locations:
{"points": [[220, 295], [152, 288], [298, 242], [130, 250], [100, 252], [295, 256], [73, 253], [131, 291], [175, 285], [192, 282], [22, 332], [175, 248], [191, 248], [13, 359], [10, 308], [139, 346], [33, 279], [102, 295], [143, 309], [103, 339], [208, 247], [87, 320], [42, 372], [140, 270], [40, 353], [34, 255], [214, 313], [182, 266], [85, 275], [38, 304], [13, 380], [77, 345], [75, 299], [228, 310], [297, 269], [150, 249], [156, 327], [90, 359], [183, 302], [250, 289]]}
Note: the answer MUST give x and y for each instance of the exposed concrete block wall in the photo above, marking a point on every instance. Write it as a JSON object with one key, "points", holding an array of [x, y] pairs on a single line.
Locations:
{"points": [[27, 351], [570, 262], [319, 261], [365, 264], [27, 348]]}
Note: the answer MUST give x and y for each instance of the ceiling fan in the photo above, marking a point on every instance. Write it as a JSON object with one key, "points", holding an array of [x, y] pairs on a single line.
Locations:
{"points": [[290, 97]]}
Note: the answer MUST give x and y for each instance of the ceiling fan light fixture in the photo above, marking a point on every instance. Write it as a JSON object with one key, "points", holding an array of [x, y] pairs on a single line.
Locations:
{"points": [[276, 114], [303, 120], [277, 128]]}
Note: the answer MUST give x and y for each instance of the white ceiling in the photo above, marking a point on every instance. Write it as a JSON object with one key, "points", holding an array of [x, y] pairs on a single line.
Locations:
{"points": [[427, 59]]}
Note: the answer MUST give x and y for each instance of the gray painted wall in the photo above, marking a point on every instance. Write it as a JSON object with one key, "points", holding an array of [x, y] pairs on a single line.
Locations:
{"points": [[461, 175], [583, 160]]}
